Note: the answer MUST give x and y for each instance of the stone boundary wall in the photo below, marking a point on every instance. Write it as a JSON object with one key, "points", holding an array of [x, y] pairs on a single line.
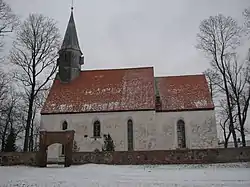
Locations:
{"points": [[18, 158], [185, 156]]}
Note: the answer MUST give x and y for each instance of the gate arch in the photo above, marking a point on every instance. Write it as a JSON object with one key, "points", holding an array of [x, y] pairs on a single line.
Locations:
{"points": [[48, 138]]}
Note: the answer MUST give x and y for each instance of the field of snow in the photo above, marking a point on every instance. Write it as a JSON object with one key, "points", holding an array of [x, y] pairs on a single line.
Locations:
{"points": [[91, 175]]}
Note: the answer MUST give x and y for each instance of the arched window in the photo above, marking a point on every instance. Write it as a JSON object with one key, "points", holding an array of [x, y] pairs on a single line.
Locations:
{"points": [[130, 135], [64, 127], [181, 134], [97, 129]]}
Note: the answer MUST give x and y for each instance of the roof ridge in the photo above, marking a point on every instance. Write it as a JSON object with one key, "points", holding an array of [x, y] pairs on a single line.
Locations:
{"points": [[189, 75], [128, 68]]}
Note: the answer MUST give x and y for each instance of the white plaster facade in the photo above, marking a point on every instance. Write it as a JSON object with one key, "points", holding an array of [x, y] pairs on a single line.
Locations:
{"points": [[151, 130]]}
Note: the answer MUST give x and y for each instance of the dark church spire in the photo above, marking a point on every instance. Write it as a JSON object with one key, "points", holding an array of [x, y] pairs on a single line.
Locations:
{"points": [[70, 55], [70, 40]]}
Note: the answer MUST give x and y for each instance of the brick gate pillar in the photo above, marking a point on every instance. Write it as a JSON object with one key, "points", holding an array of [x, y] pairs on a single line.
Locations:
{"points": [[42, 158], [69, 147]]}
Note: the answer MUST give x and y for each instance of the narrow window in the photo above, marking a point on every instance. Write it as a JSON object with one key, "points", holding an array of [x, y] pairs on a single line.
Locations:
{"points": [[64, 127], [181, 134], [97, 129], [130, 135]]}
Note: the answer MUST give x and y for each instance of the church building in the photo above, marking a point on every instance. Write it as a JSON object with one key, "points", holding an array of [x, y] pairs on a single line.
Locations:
{"points": [[139, 110]]}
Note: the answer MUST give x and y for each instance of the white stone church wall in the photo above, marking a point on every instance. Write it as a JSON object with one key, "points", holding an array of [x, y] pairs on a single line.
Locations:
{"points": [[114, 123], [200, 129], [152, 131]]}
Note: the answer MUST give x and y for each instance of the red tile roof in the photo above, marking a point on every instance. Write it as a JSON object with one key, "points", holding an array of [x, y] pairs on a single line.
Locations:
{"points": [[127, 90], [103, 90], [188, 92]]}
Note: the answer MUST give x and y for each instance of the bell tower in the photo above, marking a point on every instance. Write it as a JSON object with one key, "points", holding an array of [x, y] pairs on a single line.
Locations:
{"points": [[70, 55]]}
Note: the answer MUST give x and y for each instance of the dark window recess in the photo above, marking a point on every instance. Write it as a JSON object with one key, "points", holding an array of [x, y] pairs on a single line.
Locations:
{"points": [[130, 135], [158, 103], [97, 129], [64, 127], [65, 56], [181, 134]]}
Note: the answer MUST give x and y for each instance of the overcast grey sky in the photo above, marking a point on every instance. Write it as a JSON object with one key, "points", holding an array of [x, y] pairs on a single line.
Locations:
{"points": [[131, 33]]}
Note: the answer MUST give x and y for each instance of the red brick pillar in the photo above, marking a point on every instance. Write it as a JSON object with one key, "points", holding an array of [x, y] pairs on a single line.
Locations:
{"points": [[42, 158]]}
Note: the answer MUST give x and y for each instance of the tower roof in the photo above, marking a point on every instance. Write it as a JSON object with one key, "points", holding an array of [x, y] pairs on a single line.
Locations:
{"points": [[70, 40]]}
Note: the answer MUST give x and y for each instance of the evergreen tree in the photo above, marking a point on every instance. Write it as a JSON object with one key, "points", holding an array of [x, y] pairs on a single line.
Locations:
{"points": [[10, 145], [75, 147], [108, 143]]}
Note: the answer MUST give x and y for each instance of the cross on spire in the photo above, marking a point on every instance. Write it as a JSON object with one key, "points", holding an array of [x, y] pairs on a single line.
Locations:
{"points": [[70, 55], [70, 40], [72, 5]]}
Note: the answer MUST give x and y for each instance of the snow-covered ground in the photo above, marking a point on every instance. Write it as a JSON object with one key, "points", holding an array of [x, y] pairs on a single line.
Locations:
{"points": [[91, 175]]}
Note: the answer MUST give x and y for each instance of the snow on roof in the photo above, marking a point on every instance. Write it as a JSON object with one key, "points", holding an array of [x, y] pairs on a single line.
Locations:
{"points": [[127, 90], [187, 92], [103, 90]]}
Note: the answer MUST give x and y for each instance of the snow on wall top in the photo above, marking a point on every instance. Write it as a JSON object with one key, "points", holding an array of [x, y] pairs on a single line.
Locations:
{"points": [[184, 93], [103, 90]]}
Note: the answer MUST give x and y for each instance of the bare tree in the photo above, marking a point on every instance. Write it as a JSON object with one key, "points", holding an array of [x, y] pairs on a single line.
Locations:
{"points": [[36, 133], [238, 76], [8, 20], [4, 87], [7, 120], [246, 14], [222, 113], [224, 126], [34, 127], [223, 119], [214, 82], [217, 91], [34, 53], [218, 37], [10, 116]]}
